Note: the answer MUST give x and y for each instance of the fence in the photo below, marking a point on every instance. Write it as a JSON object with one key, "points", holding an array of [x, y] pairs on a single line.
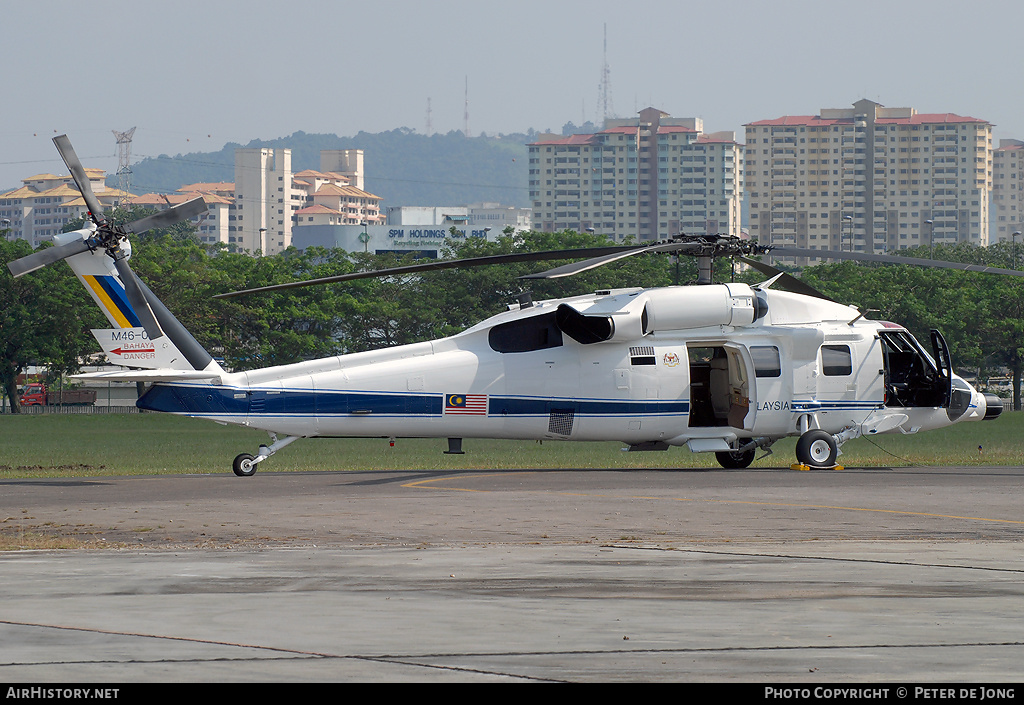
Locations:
{"points": [[68, 409]]}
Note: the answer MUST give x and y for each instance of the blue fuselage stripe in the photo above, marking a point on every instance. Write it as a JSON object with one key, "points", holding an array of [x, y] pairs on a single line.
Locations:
{"points": [[200, 400]]}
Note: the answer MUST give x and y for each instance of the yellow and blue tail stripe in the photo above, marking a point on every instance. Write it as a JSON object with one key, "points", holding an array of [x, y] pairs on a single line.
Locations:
{"points": [[110, 293]]}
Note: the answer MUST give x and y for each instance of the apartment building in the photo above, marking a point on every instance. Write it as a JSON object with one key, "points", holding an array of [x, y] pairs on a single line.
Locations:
{"points": [[212, 227], [869, 178], [330, 199], [649, 177], [270, 199], [265, 200], [1007, 212], [45, 203], [260, 209]]}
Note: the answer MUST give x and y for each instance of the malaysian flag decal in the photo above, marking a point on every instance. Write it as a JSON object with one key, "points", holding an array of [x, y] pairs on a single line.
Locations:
{"points": [[465, 404]]}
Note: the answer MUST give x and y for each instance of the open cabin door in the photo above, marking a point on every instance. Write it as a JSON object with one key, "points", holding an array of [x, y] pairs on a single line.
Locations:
{"points": [[721, 386]]}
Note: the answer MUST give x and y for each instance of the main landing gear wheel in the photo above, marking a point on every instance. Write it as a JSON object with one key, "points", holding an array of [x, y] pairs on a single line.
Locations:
{"points": [[244, 465], [734, 459], [817, 449]]}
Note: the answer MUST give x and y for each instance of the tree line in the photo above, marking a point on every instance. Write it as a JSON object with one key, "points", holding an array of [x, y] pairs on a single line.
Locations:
{"points": [[45, 316]]}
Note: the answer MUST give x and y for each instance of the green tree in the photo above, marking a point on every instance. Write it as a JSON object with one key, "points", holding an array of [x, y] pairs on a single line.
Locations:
{"points": [[44, 319], [280, 327]]}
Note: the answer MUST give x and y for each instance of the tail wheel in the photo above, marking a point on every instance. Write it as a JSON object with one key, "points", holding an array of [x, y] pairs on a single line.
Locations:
{"points": [[817, 449], [734, 459], [244, 465]]}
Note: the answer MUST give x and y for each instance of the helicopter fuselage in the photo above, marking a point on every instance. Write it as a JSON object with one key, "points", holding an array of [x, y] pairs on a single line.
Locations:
{"points": [[713, 367]]}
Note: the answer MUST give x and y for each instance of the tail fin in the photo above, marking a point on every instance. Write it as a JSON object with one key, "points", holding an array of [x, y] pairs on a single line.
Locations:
{"points": [[127, 343]]}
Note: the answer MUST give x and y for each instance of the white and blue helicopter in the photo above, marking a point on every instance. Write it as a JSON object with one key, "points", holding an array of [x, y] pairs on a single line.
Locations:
{"points": [[723, 368]]}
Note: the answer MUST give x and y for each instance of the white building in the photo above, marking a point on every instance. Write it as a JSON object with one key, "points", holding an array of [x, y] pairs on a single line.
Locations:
{"points": [[419, 240], [212, 227], [495, 216], [1007, 211], [649, 177], [869, 178], [259, 211], [265, 200], [418, 230], [331, 200], [498, 217], [427, 215]]}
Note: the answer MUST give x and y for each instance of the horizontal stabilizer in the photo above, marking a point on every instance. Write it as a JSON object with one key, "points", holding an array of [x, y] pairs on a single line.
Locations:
{"points": [[151, 376]]}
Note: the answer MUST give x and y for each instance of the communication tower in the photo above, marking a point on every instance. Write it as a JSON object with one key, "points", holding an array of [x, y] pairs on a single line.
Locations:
{"points": [[124, 157], [467, 108], [604, 97]]}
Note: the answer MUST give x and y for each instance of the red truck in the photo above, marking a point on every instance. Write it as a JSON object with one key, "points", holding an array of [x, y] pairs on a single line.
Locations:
{"points": [[37, 394]]}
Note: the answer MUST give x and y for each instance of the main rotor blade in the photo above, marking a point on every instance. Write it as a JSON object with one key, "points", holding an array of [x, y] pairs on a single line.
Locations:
{"points": [[788, 281], [438, 265], [567, 270], [136, 297], [74, 165], [34, 261], [890, 259], [166, 218]]}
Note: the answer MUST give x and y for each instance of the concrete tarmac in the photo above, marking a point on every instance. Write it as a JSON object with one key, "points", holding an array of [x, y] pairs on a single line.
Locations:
{"points": [[910, 575]]}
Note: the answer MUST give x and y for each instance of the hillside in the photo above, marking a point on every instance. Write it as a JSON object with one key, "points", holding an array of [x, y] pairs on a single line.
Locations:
{"points": [[402, 167]]}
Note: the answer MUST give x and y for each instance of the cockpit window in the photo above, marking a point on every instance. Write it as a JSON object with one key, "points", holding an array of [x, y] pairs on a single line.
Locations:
{"points": [[911, 376], [526, 334]]}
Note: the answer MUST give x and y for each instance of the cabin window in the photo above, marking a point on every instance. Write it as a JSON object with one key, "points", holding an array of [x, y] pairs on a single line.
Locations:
{"points": [[526, 334], [836, 360], [767, 362]]}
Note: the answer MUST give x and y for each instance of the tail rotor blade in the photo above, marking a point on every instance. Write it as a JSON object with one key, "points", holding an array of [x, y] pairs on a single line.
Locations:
{"points": [[163, 219], [34, 261], [74, 164], [137, 299]]}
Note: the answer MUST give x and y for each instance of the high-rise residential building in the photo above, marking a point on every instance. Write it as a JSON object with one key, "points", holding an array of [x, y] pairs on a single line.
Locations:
{"points": [[649, 177], [869, 178], [258, 212], [270, 199], [265, 200], [1007, 214]]}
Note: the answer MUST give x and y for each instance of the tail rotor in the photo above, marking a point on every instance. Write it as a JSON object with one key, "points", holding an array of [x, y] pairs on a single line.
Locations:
{"points": [[108, 237]]}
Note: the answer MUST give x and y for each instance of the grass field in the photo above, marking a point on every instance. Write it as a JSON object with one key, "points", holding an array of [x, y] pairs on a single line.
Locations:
{"points": [[148, 444]]}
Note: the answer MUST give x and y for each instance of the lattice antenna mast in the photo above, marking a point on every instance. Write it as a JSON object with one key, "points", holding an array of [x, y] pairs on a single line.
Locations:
{"points": [[124, 160], [430, 120], [467, 107], [605, 92]]}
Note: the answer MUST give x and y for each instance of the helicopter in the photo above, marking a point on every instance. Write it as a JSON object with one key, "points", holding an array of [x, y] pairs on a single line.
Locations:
{"points": [[728, 368]]}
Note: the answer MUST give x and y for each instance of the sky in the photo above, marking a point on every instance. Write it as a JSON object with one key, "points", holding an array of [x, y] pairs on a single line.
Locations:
{"points": [[194, 75]]}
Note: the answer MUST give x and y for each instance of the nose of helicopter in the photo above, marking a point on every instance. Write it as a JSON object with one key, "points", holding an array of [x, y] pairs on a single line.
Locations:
{"points": [[993, 405], [982, 406]]}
